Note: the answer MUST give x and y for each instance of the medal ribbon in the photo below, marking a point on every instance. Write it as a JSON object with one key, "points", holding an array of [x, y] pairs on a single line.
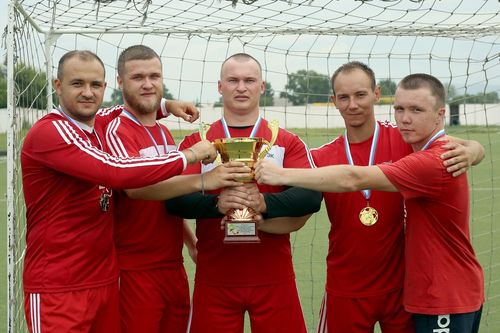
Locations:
{"points": [[77, 124], [135, 120], [252, 134], [366, 193], [434, 137]]}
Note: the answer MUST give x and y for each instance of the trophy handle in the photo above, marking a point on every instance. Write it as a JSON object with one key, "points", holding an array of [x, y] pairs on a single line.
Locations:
{"points": [[204, 127], [274, 126]]}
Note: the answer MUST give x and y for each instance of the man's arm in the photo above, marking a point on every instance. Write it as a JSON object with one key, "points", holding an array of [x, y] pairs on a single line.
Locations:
{"points": [[189, 240], [336, 178], [280, 213], [283, 225], [219, 177], [180, 109]]}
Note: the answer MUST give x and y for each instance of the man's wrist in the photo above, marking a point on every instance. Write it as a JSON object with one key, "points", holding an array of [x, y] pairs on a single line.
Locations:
{"points": [[163, 106]]}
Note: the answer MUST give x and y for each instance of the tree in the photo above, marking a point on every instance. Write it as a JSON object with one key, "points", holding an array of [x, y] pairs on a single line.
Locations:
{"points": [[31, 84], [387, 87], [307, 86], [267, 99], [3, 87]]}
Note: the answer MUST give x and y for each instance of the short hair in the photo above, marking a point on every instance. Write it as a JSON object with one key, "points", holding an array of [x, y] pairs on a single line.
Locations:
{"points": [[135, 52], [421, 80], [351, 66], [240, 56], [82, 55]]}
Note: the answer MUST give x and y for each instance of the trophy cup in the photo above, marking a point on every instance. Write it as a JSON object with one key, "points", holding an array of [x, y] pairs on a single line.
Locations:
{"points": [[241, 225]]}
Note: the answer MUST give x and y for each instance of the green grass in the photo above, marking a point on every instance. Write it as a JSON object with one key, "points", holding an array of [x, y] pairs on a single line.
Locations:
{"points": [[310, 243]]}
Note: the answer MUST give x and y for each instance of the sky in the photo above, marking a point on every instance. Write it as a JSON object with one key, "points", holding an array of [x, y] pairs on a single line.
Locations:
{"points": [[191, 67]]}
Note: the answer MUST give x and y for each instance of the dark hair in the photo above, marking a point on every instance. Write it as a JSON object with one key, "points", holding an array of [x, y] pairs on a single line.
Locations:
{"points": [[421, 80], [82, 55], [135, 52], [240, 56], [349, 67]]}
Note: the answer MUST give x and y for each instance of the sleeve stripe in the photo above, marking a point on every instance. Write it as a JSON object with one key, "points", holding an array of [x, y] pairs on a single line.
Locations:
{"points": [[308, 153], [114, 142], [70, 136]]}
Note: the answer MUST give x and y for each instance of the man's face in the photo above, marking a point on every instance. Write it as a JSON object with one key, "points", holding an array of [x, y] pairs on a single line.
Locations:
{"points": [[81, 88], [355, 97], [241, 85], [142, 85], [417, 115]]}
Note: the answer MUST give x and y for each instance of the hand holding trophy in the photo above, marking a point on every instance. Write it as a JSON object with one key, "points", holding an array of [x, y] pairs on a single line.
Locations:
{"points": [[241, 223]]}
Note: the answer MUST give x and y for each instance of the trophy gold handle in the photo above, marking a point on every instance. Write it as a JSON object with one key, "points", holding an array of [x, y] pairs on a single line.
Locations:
{"points": [[274, 127], [204, 127]]}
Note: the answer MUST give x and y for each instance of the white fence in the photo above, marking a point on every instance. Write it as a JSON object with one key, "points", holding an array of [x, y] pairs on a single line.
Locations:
{"points": [[310, 116]]}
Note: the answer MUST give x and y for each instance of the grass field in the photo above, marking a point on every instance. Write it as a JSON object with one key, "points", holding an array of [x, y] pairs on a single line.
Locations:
{"points": [[310, 243]]}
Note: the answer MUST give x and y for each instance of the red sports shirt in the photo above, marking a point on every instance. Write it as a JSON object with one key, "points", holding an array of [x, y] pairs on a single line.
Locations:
{"points": [[364, 261], [442, 273], [270, 261], [69, 240], [146, 236]]}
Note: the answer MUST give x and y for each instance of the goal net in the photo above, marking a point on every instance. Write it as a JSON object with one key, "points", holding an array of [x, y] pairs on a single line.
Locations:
{"points": [[299, 44]]}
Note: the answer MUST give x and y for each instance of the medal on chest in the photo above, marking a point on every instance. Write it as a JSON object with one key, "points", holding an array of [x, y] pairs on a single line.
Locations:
{"points": [[368, 216]]}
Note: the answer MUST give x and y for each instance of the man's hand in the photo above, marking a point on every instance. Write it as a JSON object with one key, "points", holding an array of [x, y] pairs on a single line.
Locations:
{"points": [[203, 151], [255, 198], [233, 198], [225, 175], [266, 172], [461, 155], [182, 109]]}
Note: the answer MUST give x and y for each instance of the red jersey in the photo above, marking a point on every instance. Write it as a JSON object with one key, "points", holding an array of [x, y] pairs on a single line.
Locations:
{"points": [[146, 236], [69, 239], [269, 261], [442, 272], [364, 261]]}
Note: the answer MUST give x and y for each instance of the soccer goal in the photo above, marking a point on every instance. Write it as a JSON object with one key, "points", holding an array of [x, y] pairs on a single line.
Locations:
{"points": [[299, 44]]}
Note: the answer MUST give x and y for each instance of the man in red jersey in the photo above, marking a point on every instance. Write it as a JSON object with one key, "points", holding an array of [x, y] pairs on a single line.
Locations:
{"points": [[443, 284], [364, 283], [70, 273], [232, 279], [154, 290]]}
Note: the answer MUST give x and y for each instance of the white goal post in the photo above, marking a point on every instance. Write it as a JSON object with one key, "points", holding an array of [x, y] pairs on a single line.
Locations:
{"points": [[299, 44]]}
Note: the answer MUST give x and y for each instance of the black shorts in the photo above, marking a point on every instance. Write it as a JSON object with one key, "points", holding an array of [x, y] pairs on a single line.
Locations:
{"points": [[451, 323]]}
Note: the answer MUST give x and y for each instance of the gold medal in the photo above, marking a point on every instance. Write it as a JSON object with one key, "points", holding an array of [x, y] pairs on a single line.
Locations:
{"points": [[368, 216]]}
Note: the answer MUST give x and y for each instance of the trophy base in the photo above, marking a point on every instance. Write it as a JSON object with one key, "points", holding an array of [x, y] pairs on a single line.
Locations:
{"points": [[241, 232]]}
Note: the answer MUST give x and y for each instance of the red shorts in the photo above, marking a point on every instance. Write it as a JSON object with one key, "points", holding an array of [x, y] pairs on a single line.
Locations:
{"points": [[272, 308], [154, 301], [359, 315], [92, 310]]}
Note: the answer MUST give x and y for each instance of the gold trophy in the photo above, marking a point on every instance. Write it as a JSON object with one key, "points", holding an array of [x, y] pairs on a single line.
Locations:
{"points": [[241, 224]]}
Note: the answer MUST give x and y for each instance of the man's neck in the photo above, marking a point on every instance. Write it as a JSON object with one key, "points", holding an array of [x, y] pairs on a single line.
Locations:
{"points": [[237, 120], [146, 119], [417, 146], [361, 133]]}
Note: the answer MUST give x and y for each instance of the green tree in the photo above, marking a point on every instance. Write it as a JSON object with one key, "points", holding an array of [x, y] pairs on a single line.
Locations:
{"points": [[3, 87], [267, 98], [387, 87], [31, 86], [307, 86]]}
